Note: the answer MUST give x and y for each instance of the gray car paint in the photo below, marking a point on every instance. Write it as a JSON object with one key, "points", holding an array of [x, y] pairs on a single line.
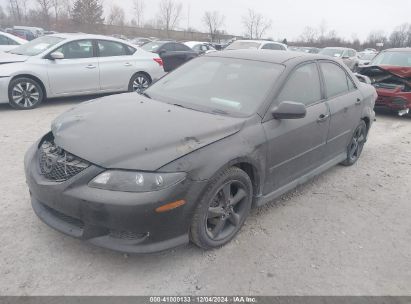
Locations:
{"points": [[129, 132], [142, 134]]}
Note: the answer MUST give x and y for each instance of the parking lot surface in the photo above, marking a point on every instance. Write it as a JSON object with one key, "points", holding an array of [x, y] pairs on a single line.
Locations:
{"points": [[347, 232]]}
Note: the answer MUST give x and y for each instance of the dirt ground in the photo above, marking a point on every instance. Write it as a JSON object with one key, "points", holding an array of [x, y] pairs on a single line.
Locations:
{"points": [[347, 232]]}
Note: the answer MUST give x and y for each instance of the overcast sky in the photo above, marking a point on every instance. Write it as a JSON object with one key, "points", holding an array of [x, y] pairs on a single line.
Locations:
{"points": [[348, 17]]}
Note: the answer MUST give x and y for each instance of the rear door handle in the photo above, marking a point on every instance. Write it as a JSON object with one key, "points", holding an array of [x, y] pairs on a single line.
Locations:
{"points": [[323, 118], [128, 64], [90, 66]]}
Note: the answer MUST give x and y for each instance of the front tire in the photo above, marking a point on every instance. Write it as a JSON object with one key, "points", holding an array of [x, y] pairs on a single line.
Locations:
{"points": [[25, 93], [356, 144], [223, 209], [139, 83]]}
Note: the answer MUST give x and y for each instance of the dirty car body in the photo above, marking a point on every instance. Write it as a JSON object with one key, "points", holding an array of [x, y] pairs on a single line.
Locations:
{"points": [[390, 74], [87, 177]]}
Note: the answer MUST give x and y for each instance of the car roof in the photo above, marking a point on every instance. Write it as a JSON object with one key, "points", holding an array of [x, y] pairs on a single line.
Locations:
{"points": [[398, 50], [279, 57], [338, 48], [193, 43], [77, 36]]}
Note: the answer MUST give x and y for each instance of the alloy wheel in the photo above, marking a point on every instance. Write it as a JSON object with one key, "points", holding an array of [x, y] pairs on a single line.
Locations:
{"points": [[226, 210], [140, 84], [357, 143], [25, 94]]}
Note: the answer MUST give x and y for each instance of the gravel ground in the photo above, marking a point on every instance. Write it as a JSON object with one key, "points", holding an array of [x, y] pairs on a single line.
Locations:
{"points": [[347, 232]]}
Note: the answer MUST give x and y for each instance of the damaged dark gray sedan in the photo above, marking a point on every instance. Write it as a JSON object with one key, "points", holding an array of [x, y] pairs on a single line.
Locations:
{"points": [[189, 159]]}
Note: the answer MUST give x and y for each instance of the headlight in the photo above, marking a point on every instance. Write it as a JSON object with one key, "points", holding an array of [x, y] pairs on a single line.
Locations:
{"points": [[129, 181]]}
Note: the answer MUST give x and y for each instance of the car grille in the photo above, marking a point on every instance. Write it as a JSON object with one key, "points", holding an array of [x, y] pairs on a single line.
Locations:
{"points": [[58, 165]]}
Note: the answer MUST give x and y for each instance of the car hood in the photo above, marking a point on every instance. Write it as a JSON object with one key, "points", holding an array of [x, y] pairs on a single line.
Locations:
{"points": [[129, 131], [398, 71], [11, 58]]}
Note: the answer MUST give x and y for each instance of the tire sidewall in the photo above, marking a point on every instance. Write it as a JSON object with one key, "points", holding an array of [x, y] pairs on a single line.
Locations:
{"points": [[349, 161], [232, 174], [135, 76], [14, 82]]}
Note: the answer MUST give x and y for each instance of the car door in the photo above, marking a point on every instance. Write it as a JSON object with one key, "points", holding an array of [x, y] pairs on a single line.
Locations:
{"points": [[78, 72], [344, 101], [295, 147], [117, 65]]}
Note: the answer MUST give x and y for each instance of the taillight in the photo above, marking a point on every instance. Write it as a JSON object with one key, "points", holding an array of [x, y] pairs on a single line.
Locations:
{"points": [[159, 61]]}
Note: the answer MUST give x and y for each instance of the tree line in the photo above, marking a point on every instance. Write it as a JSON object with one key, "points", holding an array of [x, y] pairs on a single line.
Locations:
{"points": [[90, 14]]}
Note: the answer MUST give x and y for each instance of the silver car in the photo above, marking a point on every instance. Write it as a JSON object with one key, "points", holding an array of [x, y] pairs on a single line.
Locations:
{"points": [[74, 64], [257, 45], [9, 42], [348, 56]]}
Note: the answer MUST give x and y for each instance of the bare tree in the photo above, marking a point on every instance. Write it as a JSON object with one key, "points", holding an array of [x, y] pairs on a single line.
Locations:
{"points": [[214, 21], [309, 35], [169, 14], [322, 30], [400, 36], [139, 7], [16, 10], [3, 15], [256, 25], [45, 8], [117, 16]]}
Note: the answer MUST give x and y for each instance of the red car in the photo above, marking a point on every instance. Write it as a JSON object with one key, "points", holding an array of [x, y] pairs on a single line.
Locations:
{"points": [[390, 74]]}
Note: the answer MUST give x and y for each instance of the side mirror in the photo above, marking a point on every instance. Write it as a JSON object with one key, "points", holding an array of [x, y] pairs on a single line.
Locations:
{"points": [[57, 55], [366, 63], [289, 110], [345, 57], [162, 52]]}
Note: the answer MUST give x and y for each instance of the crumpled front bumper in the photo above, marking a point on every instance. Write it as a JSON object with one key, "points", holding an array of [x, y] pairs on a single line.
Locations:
{"points": [[125, 222], [395, 100]]}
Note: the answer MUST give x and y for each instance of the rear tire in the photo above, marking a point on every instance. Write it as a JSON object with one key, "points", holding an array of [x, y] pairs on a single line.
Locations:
{"points": [[223, 209], [25, 93], [356, 144], [139, 83]]}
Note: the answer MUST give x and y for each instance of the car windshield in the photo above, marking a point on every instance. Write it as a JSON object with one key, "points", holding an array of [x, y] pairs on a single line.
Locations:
{"points": [[218, 85], [366, 56], [152, 46], [241, 45], [332, 52], [393, 58], [37, 46]]}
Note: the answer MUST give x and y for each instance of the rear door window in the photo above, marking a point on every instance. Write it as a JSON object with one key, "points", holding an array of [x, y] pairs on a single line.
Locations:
{"points": [[335, 79], [111, 49]]}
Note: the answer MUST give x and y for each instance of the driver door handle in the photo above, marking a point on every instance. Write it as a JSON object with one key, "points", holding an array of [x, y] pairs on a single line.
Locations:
{"points": [[90, 66], [323, 118], [128, 64]]}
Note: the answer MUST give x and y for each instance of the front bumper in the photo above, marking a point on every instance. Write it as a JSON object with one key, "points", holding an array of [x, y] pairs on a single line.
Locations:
{"points": [[125, 222], [395, 100], [4, 89]]}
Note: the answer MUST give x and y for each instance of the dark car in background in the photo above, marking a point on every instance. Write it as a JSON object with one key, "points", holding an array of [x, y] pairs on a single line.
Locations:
{"points": [[172, 53], [188, 159], [390, 74]]}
